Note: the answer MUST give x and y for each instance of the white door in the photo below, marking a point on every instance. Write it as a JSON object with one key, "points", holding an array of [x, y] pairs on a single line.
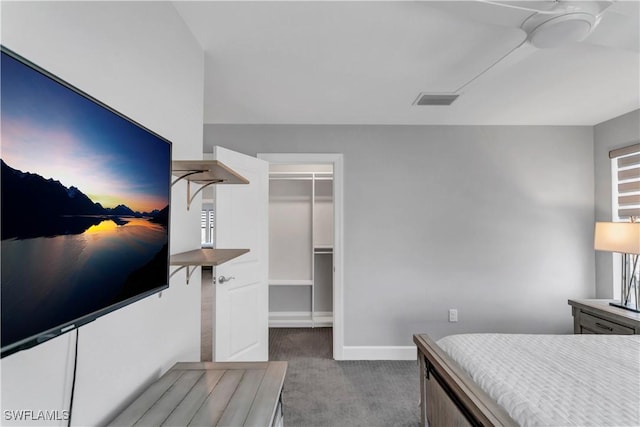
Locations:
{"points": [[241, 318]]}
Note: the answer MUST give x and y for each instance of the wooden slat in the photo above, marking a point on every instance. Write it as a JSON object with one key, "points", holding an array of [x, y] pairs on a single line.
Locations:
{"points": [[192, 402], [633, 199], [629, 161], [623, 175], [220, 365], [629, 187], [626, 213], [169, 400], [635, 148], [238, 409], [209, 394], [214, 406], [266, 401], [141, 405]]}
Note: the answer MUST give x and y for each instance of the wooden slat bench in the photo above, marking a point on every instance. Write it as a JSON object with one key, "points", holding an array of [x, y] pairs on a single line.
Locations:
{"points": [[211, 394]]}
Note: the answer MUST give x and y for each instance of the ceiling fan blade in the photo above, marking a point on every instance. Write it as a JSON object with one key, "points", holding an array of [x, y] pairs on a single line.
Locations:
{"points": [[529, 6], [612, 25], [555, 7], [520, 53], [619, 28], [483, 12]]}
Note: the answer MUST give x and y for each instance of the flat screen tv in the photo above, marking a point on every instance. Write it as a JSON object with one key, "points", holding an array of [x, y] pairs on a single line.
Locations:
{"points": [[85, 207]]}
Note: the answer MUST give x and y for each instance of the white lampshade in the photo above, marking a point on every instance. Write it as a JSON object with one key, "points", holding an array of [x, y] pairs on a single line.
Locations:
{"points": [[623, 237]]}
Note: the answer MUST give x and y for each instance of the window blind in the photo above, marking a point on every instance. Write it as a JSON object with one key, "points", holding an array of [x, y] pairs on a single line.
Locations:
{"points": [[627, 163], [203, 219], [206, 225]]}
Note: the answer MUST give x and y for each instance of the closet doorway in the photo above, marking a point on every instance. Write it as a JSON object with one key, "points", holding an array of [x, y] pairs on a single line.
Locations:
{"points": [[305, 243]]}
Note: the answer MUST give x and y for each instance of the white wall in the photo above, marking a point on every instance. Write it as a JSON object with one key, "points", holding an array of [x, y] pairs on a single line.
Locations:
{"points": [[150, 69], [615, 133], [494, 221]]}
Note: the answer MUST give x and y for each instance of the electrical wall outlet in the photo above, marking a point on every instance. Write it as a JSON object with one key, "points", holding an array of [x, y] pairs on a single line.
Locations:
{"points": [[453, 315]]}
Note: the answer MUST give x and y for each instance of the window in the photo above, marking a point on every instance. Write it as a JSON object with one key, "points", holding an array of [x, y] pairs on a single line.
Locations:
{"points": [[626, 183], [206, 227], [625, 174]]}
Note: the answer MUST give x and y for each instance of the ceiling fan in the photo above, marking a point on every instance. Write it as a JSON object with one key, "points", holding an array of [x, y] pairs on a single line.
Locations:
{"points": [[556, 23], [544, 23]]}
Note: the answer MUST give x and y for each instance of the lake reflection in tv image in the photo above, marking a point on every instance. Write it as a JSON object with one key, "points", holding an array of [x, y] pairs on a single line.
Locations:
{"points": [[85, 205], [52, 280]]}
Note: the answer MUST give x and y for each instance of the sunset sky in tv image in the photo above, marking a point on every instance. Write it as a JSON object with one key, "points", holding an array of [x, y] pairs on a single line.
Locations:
{"points": [[53, 131]]}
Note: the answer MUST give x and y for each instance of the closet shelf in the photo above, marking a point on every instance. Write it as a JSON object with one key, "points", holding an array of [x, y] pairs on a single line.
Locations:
{"points": [[302, 282], [205, 173], [297, 175], [318, 250], [300, 320], [288, 321], [203, 257]]}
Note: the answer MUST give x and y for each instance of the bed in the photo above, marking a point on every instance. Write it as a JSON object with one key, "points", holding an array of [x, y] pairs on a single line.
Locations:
{"points": [[529, 380]]}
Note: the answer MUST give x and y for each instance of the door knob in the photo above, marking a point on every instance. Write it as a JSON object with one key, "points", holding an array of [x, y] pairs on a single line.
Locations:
{"points": [[223, 279]]}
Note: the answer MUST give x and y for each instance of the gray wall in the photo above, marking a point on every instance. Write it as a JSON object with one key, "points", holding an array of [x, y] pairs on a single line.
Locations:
{"points": [[615, 133], [494, 221]]}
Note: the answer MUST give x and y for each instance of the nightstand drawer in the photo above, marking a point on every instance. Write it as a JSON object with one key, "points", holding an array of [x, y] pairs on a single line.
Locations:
{"points": [[601, 326]]}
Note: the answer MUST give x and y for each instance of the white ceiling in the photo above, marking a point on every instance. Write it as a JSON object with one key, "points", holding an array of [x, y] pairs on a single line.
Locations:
{"points": [[338, 62]]}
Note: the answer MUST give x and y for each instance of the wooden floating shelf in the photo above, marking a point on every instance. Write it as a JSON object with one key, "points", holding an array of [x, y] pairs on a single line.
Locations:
{"points": [[206, 257], [205, 172], [203, 257]]}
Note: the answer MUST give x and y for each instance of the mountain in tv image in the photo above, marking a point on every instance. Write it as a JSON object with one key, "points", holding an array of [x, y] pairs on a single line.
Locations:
{"points": [[33, 206]]}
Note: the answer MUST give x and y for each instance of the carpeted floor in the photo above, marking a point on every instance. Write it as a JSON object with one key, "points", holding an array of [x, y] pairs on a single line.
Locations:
{"points": [[319, 391]]}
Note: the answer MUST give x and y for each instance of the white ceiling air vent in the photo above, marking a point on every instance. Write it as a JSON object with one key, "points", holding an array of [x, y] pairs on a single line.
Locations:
{"points": [[435, 99]]}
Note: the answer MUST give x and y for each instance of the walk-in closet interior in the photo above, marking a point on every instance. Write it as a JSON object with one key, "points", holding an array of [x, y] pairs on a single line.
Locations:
{"points": [[300, 245]]}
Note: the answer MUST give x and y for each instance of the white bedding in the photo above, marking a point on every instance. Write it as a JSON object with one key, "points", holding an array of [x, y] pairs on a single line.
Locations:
{"points": [[555, 380]]}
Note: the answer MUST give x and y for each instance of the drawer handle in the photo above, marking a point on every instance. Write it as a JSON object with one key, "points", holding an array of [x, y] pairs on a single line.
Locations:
{"points": [[601, 326]]}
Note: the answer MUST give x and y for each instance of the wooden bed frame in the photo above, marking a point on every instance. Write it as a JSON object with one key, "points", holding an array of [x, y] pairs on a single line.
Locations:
{"points": [[448, 395]]}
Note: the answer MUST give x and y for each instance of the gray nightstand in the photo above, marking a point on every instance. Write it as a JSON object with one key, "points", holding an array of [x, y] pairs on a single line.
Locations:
{"points": [[596, 316]]}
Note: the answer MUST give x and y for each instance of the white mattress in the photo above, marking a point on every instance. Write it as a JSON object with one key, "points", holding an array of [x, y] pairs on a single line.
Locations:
{"points": [[555, 380]]}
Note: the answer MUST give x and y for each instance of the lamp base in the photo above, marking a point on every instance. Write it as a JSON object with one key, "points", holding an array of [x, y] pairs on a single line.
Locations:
{"points": [[626, 307]]}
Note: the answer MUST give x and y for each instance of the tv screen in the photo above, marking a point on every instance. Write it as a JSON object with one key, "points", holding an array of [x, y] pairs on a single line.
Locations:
{"points": [[85, 207]]}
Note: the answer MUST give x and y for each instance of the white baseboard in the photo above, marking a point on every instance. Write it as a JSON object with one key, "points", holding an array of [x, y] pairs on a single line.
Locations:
{"points": [[323, 319], [379, 353]]}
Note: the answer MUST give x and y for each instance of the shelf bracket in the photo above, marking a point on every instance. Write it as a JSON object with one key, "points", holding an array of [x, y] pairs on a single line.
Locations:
{"points": [[190, 197], [186, 175], [203, 173], [183, 176], [189, 272]]}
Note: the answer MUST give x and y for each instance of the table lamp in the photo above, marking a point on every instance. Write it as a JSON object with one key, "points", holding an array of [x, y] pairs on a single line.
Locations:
{"points": [[624, 238]]}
